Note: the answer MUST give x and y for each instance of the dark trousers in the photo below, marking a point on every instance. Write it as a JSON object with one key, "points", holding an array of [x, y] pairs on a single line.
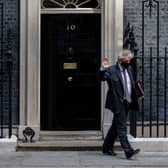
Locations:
{"points": [[118, 128]]}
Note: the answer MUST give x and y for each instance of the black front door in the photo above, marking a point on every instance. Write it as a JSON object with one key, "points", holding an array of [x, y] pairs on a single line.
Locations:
{"points": [[70, 59]]}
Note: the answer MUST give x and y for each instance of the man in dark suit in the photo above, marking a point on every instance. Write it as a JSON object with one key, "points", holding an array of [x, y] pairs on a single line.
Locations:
{"points": [[121, 97]]}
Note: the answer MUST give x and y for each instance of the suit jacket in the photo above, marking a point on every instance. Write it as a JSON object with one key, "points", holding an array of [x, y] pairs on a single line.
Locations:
{"points": [[115, 93]]}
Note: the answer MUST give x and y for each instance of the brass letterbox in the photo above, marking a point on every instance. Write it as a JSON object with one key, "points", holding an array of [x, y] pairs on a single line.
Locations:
{"points": [[70, 65]]}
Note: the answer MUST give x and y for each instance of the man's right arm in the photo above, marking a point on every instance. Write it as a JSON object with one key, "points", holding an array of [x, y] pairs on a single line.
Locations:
{"points": [[103, 71]]}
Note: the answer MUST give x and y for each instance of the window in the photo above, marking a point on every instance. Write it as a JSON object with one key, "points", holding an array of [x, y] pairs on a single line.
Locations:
{"points": [[70, 4]]}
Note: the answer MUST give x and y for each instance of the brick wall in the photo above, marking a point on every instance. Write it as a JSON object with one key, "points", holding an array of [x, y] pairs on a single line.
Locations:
{"points": [[9, 55], [154, 79]]}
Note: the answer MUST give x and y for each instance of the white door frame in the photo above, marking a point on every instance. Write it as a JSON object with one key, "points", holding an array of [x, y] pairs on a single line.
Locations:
{"points": [[30, 14]]}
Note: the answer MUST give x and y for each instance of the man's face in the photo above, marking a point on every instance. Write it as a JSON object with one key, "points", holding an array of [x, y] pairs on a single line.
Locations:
{"points": [[126, 62]]}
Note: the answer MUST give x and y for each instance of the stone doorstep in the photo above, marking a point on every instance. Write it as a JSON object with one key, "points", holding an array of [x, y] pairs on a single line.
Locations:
{"points": [[145, 144], [64, 141], [61, 145]]}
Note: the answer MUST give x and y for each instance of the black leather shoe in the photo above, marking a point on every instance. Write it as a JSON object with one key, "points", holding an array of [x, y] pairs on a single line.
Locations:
{"points": [[133, 153], [109, 152]]}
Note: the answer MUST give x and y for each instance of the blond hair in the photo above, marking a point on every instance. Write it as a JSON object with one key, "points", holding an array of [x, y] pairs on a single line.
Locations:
{"points": [[125, 55]]}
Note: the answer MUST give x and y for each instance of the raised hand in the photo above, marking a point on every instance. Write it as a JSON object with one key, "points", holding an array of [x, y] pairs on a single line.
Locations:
{"points": [[105, 63]]}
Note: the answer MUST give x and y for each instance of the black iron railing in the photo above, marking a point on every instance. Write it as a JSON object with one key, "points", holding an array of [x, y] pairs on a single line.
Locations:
{"points": [[5, 113], [151, 4], [150, 66], [153, 117], [5, 80]]}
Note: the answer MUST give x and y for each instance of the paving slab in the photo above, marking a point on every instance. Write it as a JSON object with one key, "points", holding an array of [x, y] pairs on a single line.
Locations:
{"points": [[81, 159]]}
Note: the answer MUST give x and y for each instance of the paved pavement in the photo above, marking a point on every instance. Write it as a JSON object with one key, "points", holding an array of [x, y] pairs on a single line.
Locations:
{"points": [[80, 159]]}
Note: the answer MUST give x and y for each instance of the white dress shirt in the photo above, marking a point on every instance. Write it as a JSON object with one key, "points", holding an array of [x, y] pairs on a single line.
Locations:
{"points": [[128, 78]]}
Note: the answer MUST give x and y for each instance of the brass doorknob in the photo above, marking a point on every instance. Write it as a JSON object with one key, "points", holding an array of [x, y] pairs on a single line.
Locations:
{"points": [[69, 79]]}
